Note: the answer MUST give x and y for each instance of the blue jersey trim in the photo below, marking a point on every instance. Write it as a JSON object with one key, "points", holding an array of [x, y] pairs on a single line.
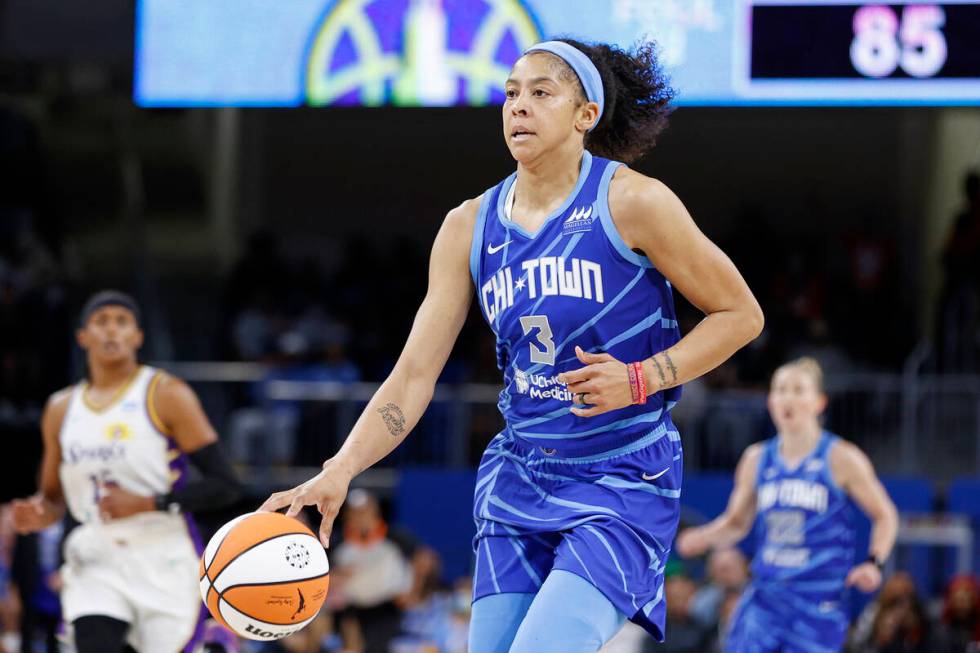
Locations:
{"points": [[828, 473], [764, 461], [476, 247], [605, 216], [583, 174]]}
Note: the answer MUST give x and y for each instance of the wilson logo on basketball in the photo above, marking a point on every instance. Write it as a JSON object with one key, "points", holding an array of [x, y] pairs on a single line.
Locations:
{"points": [[266, 634]]}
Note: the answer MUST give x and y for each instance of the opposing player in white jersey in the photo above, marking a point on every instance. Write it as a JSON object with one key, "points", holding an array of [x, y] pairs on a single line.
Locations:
{"points": [[116, 451]]}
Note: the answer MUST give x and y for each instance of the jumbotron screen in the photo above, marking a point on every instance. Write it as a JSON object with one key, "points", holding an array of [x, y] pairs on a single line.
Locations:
{"points": [[458, 52]]}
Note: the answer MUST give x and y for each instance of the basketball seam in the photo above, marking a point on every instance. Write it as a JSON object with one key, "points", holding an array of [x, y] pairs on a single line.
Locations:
{"points": [[246, 550], [207, 567], [221, 597]]}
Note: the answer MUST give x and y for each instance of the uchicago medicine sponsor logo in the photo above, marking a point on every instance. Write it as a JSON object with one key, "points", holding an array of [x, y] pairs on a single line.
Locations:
{"points": [[540, 386]]}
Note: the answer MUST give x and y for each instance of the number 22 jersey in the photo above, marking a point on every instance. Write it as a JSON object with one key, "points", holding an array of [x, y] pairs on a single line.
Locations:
{"points": [[572, 282]]}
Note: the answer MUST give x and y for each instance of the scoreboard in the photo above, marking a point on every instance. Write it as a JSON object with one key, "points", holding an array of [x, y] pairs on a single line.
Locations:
{"points": [[915, 52], [458, 52]]}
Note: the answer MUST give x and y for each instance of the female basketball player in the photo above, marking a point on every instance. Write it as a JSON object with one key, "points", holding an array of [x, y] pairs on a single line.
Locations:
{"points": [[573, 258], [116, 450], [796, 488]]}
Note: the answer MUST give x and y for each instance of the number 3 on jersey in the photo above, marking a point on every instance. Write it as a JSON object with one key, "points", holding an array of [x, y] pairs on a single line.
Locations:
{"points": [[540, 322]]}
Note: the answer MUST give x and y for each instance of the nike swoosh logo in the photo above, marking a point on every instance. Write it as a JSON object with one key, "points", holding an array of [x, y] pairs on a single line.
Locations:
{"points": [[653, 477], [493, 250]]}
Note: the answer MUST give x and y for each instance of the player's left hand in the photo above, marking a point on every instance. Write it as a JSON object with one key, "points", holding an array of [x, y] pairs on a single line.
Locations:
{"points": [[599, 387], [117, 503], [865, 576]]}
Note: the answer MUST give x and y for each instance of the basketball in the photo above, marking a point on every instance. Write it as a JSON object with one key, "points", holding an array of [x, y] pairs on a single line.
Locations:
{"points": [[264, 575]]}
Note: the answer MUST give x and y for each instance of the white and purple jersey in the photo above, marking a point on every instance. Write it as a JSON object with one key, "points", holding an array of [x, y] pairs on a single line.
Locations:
{"points": [[124, 444]]}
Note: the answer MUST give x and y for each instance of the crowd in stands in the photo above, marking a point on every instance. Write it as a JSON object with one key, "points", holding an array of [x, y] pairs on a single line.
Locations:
{"points": [[388, 595], [835, 298], [958, 322]]}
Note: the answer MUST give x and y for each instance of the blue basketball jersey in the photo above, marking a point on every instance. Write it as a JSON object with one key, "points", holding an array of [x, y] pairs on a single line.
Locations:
{"points": [[573, 282], [804, 522], [805, 534]]}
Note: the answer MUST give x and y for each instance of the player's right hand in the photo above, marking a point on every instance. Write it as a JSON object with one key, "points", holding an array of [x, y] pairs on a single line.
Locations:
{"points": [[691, 543], [327, 491], [32, 514]]}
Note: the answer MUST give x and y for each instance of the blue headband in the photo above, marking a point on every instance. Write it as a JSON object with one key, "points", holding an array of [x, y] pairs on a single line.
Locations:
{"points": [[109, 298], [587, 73]]}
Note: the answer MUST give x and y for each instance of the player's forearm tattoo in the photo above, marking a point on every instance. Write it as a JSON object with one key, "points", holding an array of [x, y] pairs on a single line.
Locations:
{"points": [[394, 418], [660, 372], [671, 366]]}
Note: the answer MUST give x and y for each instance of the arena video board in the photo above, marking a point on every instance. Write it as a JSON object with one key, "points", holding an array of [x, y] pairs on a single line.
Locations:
{"points": [[458, 52]]}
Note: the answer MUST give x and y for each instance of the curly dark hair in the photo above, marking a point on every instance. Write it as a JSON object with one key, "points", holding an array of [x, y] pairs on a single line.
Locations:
{"points": [[637, 99]]}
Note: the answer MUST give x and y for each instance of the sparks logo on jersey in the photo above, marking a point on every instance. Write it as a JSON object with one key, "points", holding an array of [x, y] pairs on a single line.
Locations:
{"points": [[117, 431], [548, 275], [580, 220], [539, 386]]}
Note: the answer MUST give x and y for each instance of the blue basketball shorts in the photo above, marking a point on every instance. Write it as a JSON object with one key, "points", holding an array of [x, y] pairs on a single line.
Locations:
{"points": [[775, 618], [609, 518]]}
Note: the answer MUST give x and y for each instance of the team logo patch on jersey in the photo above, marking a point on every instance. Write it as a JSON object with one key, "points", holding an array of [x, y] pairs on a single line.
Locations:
{"points": [[813, 466], [580, 220], [118, 431], [520, 378], [130, 406]]}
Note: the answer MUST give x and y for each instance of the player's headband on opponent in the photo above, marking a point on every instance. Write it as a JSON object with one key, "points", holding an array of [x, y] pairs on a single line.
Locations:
{"points": [[587, 73], [109, 298]]}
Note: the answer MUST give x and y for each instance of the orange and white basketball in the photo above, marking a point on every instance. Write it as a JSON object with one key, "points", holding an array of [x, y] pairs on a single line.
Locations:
{"points": [[264, 575]]}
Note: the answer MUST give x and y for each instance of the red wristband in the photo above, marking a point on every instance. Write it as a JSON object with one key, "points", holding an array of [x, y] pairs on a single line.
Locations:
{"points": [[641, 381], [634, 383]]}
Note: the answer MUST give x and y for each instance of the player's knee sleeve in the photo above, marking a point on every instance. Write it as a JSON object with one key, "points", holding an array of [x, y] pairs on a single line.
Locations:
{"points": [[494, 621], [100, 634], [568, 615]]}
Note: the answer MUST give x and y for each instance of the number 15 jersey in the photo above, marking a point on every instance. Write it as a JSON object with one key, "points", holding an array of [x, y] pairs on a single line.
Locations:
{"points": [[573, 282]]}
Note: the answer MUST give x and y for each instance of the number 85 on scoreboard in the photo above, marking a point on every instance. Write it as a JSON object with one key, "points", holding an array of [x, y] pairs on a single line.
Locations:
{"points": [[834, 50]]}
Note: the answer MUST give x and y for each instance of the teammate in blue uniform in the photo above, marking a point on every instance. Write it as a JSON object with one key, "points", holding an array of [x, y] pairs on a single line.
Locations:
{"points": [[573, 257], [796, 490]]}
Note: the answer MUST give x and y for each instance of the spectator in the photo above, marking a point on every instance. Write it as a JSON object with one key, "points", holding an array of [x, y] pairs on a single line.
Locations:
{"points": [[728, 572], [725, 612], [435, 619], [904, 627], [959, 303], [369, 573], [961, 612], [898, 588], [685, 634]]}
